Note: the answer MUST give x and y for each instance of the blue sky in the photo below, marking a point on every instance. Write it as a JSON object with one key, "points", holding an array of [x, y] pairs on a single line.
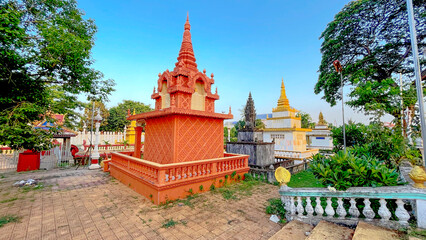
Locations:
{"points": [[248, 45]]}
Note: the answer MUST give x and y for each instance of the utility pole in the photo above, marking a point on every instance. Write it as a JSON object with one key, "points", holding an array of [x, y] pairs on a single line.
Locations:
{"points": [[339, 69], [417, 73]]}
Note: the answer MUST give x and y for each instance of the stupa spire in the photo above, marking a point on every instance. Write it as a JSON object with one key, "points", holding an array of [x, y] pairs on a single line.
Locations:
{"points": [[186, 54], [283, 102]]}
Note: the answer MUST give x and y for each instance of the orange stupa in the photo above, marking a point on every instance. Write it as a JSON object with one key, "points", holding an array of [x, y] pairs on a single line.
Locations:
{"points": [[183, 146]]}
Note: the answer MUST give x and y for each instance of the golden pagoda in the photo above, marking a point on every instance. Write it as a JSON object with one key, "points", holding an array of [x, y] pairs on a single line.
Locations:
{"points": [[130, 133], [284, 127]]}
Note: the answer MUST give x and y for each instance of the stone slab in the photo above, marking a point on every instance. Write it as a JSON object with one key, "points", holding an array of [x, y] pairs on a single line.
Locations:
{"points": [[365, 231], [420, 213], [330, 231], [261, 154], [294, 230], [250, 136]]}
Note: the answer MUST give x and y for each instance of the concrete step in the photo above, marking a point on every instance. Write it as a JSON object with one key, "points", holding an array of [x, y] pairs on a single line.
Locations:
{"points": [[330, 231], [366, 231], [294, 230]]}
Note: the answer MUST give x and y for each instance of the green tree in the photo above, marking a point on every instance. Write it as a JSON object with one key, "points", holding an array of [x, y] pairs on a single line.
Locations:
{"points": [[118, 114], [306, 120], [260, 124], [43, 44], [67, 104], [239, 125], [87, 116], [371, 40], [234, 134], [354, 135]]}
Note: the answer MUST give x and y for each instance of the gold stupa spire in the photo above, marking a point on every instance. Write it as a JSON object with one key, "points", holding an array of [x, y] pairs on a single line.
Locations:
{"points": [[133, 122], [283, 103], [321, 121]]}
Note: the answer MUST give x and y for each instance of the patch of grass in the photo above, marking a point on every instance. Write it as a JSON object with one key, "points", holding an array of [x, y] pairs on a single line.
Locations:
{"points": [[276, 207], [304, 179], [188, 200], [167, 204], [171, 223], [419, 233], [243, 188], [228, 193], [9, 200], [26, 189], [8, 219]]}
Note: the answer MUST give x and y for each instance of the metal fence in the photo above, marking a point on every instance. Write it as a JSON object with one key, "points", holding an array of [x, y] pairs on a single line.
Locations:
{"points": [[9, 161]]}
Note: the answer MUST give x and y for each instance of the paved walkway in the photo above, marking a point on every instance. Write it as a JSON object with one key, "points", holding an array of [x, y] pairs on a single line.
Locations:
{"points": [[83, 204]]}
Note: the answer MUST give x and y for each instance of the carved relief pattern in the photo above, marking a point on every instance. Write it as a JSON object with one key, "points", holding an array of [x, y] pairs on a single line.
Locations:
{"points": [[209, 105], [199, 138], [184, 101], [159, 140]]}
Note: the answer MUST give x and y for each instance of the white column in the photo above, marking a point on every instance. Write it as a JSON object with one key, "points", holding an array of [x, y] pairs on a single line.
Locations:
{"points": [[95, 154]]}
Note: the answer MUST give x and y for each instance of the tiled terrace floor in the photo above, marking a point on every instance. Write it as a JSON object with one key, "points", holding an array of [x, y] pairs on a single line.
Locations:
{"points": [[83, 204]]}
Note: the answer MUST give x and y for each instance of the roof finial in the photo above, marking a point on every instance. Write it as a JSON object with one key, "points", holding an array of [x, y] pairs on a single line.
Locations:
{"points": [[283, 103], [187, 25], [186, 53]]}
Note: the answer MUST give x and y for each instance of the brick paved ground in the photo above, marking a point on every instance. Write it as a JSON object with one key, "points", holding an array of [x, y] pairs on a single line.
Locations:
{"points": [[83, 204]]}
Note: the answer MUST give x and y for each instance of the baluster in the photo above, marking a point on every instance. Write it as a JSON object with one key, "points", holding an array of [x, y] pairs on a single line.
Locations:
{"points": [[286, 201], [368, 211], [384, 212], [318, 208], [172, 173], [299, 208], [353, 210], [401, 213], [292, 207], [340, 209], [329, 209], [309, 208]]}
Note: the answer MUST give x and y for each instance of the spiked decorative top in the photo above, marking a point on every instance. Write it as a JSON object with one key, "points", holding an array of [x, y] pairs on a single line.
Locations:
{"points": [[186, 53], [283, 103], [321, 121], [250, 114]]}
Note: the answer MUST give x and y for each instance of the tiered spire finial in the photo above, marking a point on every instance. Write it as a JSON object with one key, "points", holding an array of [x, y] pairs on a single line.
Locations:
{"points": [[250, 114], [186, 53], [321, 121], [283, 103]]}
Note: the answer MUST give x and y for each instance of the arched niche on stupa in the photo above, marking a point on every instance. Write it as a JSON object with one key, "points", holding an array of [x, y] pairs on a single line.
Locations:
{"points": [[165, 96], [198, 99]]}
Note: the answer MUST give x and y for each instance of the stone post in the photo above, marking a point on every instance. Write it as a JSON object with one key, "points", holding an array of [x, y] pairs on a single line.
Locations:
{"points": [[421, 217], [95, 154], [124, 133], [138, 145]]}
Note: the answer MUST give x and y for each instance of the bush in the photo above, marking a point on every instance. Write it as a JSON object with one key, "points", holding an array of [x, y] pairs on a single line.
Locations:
{"points": [[275, 206], [374, 140], [248, 177], [352, 170]]}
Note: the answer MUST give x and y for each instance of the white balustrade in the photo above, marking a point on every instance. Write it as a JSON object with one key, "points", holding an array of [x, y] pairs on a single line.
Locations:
{"points": [[298, 205]]}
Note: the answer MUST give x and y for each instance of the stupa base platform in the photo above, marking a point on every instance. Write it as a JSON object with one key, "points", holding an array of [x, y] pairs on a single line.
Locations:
{"points": [[166, 182]]}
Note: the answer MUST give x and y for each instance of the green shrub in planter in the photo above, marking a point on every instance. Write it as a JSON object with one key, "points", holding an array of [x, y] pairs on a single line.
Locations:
{"points": [[349, 170]]}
